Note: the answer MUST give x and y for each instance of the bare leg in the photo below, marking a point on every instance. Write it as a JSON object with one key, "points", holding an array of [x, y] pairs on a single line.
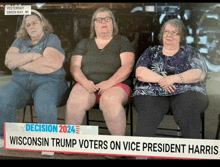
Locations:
{"points": [[80, 100], [111, 104]]}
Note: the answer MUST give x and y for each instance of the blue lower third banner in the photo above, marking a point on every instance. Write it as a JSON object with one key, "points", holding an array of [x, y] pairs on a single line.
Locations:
{"points": [[85, 140]]}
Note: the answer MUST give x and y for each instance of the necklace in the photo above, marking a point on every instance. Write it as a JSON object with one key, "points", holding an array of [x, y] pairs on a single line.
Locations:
{"points": [[168, 57], [100, 50]]}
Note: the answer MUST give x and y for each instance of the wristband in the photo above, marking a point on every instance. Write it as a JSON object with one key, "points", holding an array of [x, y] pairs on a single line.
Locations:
{"points": [[181, 77]]}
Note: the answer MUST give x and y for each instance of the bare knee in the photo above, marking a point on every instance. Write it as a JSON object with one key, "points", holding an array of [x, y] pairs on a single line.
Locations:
{"points": [[111, 107], [80, 99], [113, 99], [78, 103]]}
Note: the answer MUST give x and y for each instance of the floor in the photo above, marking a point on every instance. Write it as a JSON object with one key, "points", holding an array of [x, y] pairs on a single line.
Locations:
{"points": [[211, 121]]}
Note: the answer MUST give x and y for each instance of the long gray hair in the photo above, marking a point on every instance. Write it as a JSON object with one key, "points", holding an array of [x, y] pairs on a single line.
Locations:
{"points": [[92, 27]]}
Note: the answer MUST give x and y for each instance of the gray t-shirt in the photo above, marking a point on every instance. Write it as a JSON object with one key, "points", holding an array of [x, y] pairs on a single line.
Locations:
{"points": [[99, 65], [48, 40]]}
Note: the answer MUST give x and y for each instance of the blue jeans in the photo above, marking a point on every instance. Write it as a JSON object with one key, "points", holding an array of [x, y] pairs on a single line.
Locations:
{"points": [[45, 91]]}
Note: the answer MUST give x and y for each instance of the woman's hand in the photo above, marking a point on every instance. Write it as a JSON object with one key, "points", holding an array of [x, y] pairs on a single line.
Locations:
{"points": [[166, 81], [103, 86], [167, 84], [90, 86], [36, 56], [170, 89]]}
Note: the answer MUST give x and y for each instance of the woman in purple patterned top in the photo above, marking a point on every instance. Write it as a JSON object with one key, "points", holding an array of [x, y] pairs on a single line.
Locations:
{"points": [[172, 77]]}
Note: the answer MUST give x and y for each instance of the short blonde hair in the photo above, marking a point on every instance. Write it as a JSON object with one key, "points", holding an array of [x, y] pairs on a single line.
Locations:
{"points": [[179, 25], [22, 32], [92, 27]]}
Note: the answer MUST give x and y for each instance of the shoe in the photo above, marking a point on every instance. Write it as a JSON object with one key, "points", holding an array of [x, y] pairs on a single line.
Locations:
{"points": [[1, 143], [142, 158], [113, 157], [50, 154]]}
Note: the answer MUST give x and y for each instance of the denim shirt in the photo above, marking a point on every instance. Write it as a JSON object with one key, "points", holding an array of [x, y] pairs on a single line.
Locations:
{"points": [[48, 40], [185, 59]]}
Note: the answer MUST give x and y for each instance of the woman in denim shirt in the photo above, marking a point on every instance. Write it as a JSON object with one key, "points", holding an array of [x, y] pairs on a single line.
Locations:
{"points": [[36, 60], [172, 77]]}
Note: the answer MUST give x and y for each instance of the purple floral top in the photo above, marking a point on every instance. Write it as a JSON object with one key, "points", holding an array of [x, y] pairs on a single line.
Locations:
{"points": [[186, 58]]}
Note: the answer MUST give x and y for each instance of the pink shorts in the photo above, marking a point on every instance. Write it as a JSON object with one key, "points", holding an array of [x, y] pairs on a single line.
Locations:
{"points": [[127, 89]]}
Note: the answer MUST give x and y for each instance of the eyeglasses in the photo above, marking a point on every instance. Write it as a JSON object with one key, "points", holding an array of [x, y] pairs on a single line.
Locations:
{"points": [[106, 19], [172, 33]]}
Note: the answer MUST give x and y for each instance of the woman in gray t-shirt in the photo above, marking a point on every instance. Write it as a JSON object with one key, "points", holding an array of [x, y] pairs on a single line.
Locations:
{"points": [[101, 65]]}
